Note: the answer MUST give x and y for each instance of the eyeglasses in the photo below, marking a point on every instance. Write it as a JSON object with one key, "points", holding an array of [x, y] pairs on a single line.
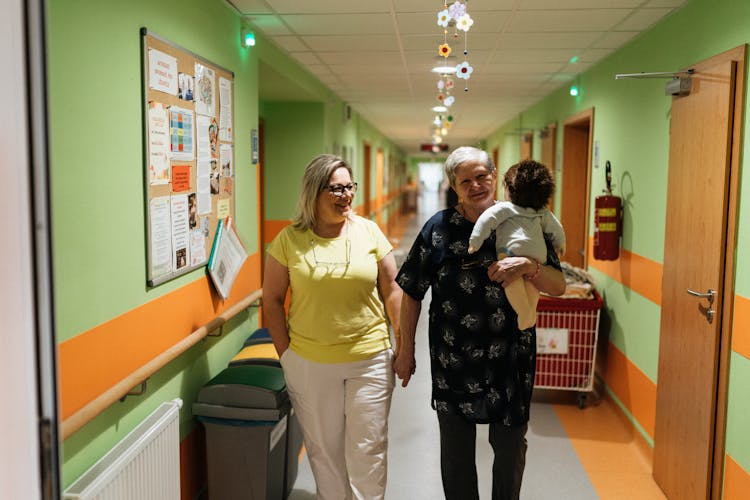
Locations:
{"points": [[332, 264], [338, 189]]}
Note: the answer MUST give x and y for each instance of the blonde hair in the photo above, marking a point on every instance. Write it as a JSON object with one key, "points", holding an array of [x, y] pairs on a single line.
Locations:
{"points": [[314, 180]]}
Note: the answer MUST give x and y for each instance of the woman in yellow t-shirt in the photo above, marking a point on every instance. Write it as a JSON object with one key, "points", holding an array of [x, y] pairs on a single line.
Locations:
{"points": [[334, 345]]}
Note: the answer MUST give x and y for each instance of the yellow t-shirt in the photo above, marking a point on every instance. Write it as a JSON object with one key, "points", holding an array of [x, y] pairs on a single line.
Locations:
{"points": [[335, 314]]}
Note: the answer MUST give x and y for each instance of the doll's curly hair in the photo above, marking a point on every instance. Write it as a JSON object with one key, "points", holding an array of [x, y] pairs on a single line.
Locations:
{"points": [[529, 184]]}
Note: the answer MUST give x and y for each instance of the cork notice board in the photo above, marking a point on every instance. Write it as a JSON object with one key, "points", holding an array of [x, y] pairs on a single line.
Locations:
{"points": [[188, 156]]}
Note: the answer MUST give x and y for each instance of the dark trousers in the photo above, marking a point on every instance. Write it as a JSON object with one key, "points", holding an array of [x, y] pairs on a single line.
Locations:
{"points": [[458, 439]]}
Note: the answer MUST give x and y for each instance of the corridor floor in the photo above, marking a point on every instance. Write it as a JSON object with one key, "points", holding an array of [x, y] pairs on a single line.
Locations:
{"points": [[573, 454]]}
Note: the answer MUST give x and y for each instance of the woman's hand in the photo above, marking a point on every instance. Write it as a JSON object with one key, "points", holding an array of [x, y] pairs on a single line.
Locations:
{"points": [[404, 365], [509, 269]]}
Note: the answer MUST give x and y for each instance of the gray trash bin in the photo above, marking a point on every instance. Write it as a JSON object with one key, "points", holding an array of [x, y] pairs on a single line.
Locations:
{"points": [[260, 353], [245, 410]]}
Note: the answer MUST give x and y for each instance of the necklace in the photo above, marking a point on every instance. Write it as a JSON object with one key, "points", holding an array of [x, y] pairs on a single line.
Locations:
{"points": [[330, 265]]}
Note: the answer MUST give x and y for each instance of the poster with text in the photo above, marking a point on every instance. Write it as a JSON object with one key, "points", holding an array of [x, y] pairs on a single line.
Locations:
{"points": [[225, 109], [161, 237], [158, 143], [226, 160], [162, 72], [180, 230], [181, 134]]}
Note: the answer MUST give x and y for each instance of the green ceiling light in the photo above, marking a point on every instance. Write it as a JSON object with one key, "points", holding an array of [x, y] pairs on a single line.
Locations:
{"points": [[248, 38], [573, 90]]}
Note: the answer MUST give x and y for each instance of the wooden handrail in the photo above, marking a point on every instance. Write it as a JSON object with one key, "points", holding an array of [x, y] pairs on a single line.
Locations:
{"points": [[80, 418]]}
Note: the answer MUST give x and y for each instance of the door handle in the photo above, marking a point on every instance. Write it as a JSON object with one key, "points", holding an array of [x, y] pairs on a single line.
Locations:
{"points": [[709, 295]]}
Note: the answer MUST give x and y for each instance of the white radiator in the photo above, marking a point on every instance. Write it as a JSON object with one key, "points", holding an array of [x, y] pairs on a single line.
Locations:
{"points": [[145, 465]]}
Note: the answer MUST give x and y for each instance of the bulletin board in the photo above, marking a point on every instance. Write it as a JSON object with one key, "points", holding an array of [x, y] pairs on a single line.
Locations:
{"points": [[189, 176]]}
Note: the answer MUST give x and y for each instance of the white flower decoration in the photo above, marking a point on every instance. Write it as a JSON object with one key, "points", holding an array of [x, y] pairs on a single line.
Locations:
{"points": [[464, 71], [443, 18], [448, 101], [465, 22], [457, 10]]}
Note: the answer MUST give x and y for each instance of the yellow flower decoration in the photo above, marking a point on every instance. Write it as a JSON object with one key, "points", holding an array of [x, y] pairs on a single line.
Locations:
{"points": [[444, 50]]}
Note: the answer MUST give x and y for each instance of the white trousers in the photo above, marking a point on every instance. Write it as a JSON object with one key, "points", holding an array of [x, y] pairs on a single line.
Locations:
{"points": [[343, 409]]}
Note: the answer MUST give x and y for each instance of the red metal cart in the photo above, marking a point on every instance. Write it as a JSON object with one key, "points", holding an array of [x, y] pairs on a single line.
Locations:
{"points": [[567, 332]]}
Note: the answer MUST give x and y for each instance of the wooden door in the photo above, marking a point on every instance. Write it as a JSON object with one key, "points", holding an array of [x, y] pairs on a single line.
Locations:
{"points": [[548, 136], [366, 180], [379, 198], [574, 192], [695, 251], [527, 145]]}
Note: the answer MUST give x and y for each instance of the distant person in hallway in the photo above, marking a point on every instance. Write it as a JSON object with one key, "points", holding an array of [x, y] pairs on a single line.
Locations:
{"points": [[520, 226], [482, 364], [334, 344]]}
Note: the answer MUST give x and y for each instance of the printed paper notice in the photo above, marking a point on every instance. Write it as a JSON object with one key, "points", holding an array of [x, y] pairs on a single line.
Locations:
{"points": [[181, 133], [203, 180], [225, 158], [180, 178], [225, 109], [162, 72], [180, 230], [222, 208], [551, 340], [203, 123], [197, 247], [158, 143], [205, 90], [203, 171], [161, 237]]}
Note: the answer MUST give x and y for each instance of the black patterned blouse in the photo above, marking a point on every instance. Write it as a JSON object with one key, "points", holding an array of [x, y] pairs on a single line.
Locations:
{"points": [[482, 364]]}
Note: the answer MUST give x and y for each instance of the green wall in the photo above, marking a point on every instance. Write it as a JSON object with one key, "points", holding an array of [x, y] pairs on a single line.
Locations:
{"points": [[631, 127], [293, 136], [94, 55]]}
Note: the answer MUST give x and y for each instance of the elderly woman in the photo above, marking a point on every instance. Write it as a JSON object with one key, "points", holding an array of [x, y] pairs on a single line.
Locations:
{"points": [[482, 364], [334, 345]]}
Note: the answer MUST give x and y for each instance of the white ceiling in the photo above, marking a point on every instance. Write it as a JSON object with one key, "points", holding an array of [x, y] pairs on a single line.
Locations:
{"points": [[377, 54]]}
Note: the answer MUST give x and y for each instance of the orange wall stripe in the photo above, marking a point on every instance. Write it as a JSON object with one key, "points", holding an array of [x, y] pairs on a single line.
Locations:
{"points": [[95, 360], [640, 274], [273, 227], [736, 480], [632, 387], [193, 463], [741, 326]]}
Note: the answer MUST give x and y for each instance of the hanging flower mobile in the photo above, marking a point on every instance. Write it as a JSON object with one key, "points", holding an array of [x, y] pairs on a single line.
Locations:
{"points": [[456, 15], [453, 15]]}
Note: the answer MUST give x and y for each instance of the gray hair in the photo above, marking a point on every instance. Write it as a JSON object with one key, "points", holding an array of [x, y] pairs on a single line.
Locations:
{"points": [[314, 180], [462, 155]]}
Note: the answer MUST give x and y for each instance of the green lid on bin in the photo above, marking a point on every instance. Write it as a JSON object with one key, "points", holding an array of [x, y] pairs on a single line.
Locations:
{"points": [[267, 377]]}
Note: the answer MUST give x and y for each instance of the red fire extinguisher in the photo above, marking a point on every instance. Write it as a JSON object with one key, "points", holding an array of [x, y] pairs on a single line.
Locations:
{"points": [[607, 222]]}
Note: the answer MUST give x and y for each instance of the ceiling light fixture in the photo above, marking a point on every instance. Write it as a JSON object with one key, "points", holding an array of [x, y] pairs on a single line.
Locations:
{"points": [[445, 65]]}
